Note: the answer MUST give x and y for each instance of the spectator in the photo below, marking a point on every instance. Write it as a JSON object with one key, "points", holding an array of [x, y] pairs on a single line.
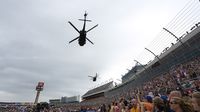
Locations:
{"points": [[174, 94], [146, 105], [134, 105], [158, 104], [196, 101], [178, 105]]}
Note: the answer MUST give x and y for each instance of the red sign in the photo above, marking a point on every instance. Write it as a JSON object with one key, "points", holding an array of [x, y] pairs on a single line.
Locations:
{"points": [[40, 86]]}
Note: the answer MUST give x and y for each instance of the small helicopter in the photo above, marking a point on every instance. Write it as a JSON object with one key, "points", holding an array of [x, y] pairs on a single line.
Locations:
{"points": [[94, 78], [82, 37]]}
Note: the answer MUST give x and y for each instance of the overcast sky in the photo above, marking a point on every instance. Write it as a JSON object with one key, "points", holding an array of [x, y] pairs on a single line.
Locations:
{"points": [[34, 36]]}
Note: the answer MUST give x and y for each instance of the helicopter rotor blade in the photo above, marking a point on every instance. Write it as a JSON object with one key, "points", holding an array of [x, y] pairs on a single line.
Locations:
{"points": [[97, 75], [90, 76], [92, 28], [74, 39], [85, 20], [73, 26], [89, 40]]}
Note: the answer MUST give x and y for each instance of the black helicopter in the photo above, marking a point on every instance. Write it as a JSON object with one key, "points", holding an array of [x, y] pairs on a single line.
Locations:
{"points": [[94, 78], [82, 37]]}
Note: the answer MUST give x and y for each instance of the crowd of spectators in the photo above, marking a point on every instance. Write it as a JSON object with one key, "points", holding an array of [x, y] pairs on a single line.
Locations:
{"points": [[175, 91], [16, 108]]}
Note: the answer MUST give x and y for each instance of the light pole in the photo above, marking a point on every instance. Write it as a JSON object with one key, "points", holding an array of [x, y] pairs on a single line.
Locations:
{"points": [[39, 88]]}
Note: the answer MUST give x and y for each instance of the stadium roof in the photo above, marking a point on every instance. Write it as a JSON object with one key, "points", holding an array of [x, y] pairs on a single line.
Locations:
{"points": [[99, 89]]}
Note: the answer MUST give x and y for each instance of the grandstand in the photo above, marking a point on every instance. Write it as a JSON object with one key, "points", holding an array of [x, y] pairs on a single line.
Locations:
{"points": [[96, 96], [132, 72]]}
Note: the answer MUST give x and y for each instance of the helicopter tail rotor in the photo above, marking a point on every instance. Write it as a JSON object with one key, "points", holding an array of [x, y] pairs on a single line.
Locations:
{"points": [[85, 15], [85, 20]]}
